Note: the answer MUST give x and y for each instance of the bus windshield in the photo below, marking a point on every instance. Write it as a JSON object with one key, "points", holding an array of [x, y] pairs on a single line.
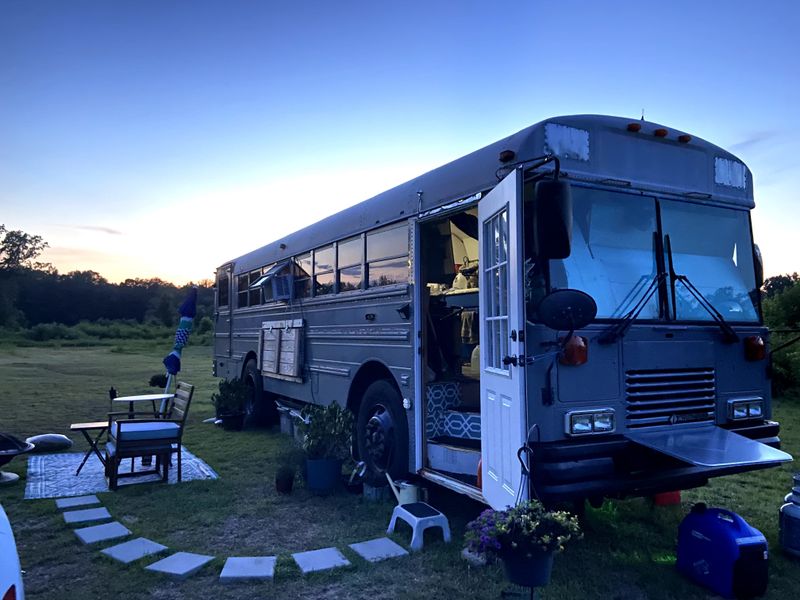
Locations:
{"points": [[613, 253], [613, 256], [712, 247]]}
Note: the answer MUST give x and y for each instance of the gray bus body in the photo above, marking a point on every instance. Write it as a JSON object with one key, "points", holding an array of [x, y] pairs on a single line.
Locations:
{"points": [[417, 309]]}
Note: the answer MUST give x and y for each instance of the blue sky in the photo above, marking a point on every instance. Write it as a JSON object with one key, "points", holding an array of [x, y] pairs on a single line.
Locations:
{"points": [[160, 138]]}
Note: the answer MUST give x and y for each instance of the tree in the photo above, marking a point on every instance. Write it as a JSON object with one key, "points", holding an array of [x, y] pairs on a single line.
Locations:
{"points": [[779, 283], [19, 249]]}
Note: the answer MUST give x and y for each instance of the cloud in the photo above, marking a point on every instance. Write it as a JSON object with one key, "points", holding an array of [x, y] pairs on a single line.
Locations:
{"points": [[754, 139], [99, 228]]}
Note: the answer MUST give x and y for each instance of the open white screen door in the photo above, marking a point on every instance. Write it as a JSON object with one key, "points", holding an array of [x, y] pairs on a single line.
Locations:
{"points": [[502, 319]]}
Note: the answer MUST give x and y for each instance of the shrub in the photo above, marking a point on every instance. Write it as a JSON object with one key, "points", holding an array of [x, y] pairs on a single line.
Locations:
{"points": [[327, 431], [52, 331], [231, 397], [782, 311], [159, 380]]}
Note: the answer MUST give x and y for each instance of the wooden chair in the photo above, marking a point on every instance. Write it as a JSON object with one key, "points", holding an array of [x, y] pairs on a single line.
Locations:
{"points": [[159, 437]]}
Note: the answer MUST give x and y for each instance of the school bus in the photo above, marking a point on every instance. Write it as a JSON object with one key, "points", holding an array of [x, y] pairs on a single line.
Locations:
{"points": [[572, 312]]}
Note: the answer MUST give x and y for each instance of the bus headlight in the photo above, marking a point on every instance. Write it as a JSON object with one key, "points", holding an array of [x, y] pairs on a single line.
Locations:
{"points": [[745, 408], [585, 422]]}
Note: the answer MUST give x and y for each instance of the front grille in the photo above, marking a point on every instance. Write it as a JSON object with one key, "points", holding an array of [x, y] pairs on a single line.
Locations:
{"points": [[669, 397]]}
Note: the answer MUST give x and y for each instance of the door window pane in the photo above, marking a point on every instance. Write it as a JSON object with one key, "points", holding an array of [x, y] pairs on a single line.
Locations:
{"points": [[495, 291]]}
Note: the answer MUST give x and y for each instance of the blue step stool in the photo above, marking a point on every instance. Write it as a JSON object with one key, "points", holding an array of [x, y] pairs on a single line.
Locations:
{"points": [[420, 516]]}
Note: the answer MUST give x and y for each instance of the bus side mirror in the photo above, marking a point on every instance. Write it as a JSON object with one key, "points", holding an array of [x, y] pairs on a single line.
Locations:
{"points": [[759, 265], [553, 218]]}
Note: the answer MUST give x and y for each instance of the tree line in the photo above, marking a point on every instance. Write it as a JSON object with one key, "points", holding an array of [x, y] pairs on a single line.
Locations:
{"points": [[33, 292]]}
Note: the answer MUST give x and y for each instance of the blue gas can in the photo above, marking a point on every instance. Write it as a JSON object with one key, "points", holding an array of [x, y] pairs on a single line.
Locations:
{"points": [[719, 550]]}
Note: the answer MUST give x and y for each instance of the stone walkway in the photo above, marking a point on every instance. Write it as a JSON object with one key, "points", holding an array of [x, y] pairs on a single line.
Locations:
{"points": [[84, 512]]}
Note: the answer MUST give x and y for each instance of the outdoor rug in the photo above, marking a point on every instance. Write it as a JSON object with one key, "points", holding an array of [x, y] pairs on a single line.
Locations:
{"points": [[53, 475]]}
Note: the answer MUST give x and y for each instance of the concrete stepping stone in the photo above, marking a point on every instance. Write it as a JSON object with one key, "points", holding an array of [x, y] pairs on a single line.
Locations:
{"points": [[378, 549], [243, 568], [180, 565], [132, 550], [63, 503], [320, 560], [86, 515], [102, 533]]}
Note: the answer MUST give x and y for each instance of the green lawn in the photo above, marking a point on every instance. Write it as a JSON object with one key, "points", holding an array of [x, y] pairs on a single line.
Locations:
{"points": [[628, 550]]}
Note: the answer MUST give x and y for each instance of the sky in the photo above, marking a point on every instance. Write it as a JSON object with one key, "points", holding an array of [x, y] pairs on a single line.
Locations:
{"points": [[161, 138]]}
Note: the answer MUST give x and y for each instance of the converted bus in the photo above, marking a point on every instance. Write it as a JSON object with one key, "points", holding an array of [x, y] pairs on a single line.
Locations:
{"points": [[570, 313]]}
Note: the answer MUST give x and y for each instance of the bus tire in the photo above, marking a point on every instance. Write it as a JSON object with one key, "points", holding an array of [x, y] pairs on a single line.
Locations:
{"points": [[382, 433], [259, 409]]}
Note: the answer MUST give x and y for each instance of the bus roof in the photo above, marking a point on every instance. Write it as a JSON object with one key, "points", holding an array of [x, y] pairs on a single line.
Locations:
{"points": [[590, 147]]}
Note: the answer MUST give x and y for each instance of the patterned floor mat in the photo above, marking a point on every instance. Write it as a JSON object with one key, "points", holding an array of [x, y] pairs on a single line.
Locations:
{"points": [[53, 475]]}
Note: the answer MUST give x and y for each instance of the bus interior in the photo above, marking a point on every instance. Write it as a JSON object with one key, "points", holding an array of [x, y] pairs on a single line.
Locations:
{"points": [[451, 350]]}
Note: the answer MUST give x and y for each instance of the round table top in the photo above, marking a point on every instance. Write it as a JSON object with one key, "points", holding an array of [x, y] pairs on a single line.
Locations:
{"points": [[144, 398]]}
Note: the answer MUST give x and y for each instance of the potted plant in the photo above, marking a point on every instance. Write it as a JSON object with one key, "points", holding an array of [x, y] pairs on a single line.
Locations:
{"points": [[284, 479], [327, 436], [229, 402], [525, 538]]}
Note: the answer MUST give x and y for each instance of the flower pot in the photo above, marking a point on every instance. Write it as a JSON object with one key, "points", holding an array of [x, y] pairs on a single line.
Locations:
{"points": [[284, 483], [232, 422], [528, 570], [323, 474]]}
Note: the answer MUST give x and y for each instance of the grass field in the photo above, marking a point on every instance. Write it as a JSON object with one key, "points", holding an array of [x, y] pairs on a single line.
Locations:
{"points": [[628, 550]]}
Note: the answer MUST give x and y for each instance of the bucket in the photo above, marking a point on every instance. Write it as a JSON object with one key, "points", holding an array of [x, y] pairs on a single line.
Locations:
{"points": [[405, 491]]}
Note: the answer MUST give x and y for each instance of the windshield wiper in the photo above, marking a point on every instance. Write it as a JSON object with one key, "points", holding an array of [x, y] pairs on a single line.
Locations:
{"points": [[618, 329], [728, 334]]}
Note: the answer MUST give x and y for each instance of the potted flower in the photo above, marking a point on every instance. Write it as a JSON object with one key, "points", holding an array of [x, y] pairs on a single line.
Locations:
{"points": [[229, 402], [327, 435], [525, 538]]}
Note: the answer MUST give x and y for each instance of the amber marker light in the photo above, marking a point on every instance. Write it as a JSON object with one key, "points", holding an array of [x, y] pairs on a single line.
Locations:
{"points": [[634, 127], [576, 351], [662, 133], [685, 138], [755, 348]]}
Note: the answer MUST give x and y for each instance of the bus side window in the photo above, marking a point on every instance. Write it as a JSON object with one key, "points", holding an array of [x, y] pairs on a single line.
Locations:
{"points": [[222, 291], [387, 255], [349, 275], [255, 293], [323, 270], [243, 288], [302, 275]]}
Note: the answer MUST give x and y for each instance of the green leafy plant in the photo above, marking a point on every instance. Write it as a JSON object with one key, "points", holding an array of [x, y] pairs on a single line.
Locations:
{"points": [[285, 472], [230, 398], [525, 529], [158, 380], [327, 431]]}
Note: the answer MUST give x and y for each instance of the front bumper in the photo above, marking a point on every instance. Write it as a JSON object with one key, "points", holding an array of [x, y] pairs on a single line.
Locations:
{"points": [[616, 467]]}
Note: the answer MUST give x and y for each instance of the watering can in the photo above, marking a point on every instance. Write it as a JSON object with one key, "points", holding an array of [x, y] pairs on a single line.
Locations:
{"points": [[405, 491]]}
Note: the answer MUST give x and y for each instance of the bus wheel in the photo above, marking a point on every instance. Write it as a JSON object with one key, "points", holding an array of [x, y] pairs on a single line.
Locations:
{"points": [[382, 433], [259, 406]]}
